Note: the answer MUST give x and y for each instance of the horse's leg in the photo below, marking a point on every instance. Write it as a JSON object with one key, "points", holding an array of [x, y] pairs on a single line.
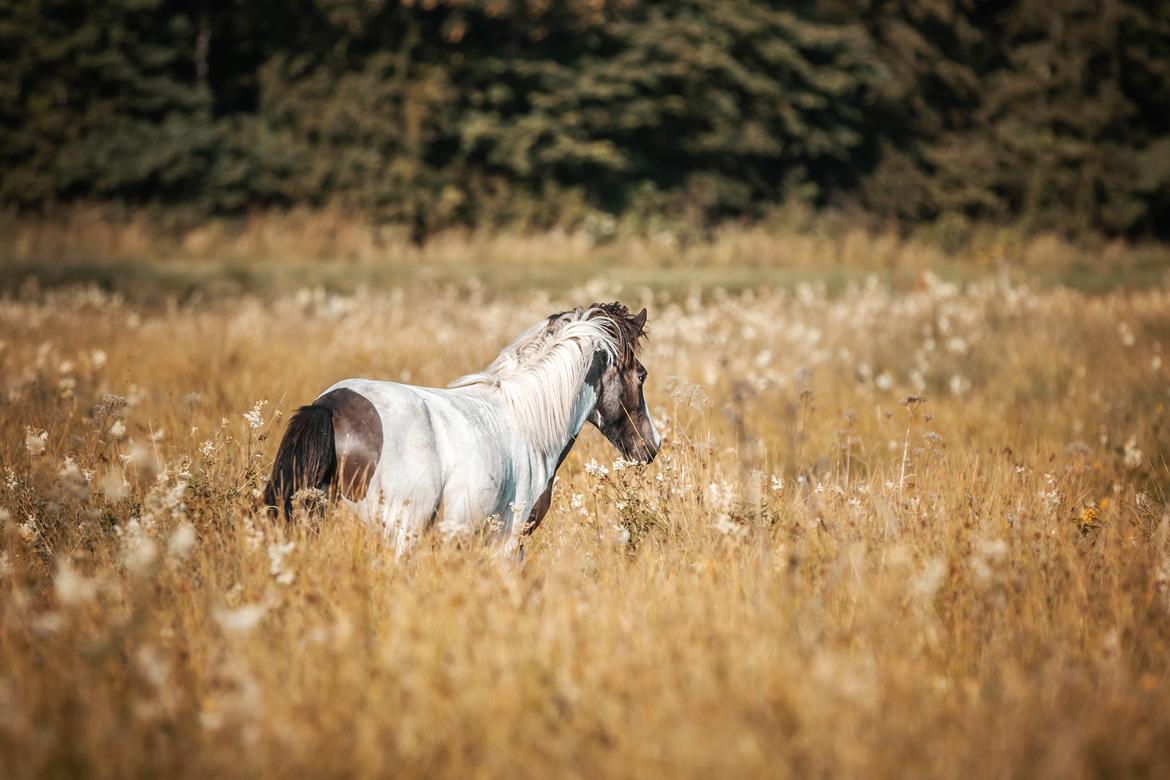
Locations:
{"points": [[408, 500], [406, 522], [539, 509]]}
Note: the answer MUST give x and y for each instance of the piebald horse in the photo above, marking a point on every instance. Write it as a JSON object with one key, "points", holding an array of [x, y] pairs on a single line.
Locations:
{"points": [[484, 449]]}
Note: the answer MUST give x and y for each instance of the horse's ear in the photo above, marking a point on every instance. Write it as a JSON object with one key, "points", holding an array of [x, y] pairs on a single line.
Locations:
{"points": [[639, 320]]}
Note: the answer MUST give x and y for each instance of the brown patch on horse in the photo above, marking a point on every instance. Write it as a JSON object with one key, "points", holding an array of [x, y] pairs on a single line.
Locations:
{"points": [[357, 440]]}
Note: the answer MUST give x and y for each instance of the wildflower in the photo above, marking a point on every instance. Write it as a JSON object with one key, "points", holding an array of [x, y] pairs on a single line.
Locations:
{"points": [[110, 405], [141, 460], [254, 417], [242, 619], [152, 666], [593, 468], [277, 552], [884, 381], [577, 504], [1132, 457], [912, 402], [65, 386], [72, 588], [689, 396], [73, 482], [310, 499], [987, 555], [959, 385], [98, 358], [661, 423], [723, 499], [722, 495], [622, 463], [211, 719], [725, 525], [253, 535], [1162, 580], [494, 525], [957, 345], [117, 431], [1126, 334], [777, 484], [182, 541], [113, 485], [47, 623], [1050, 497], [139, 552], [28, 530], [927, 583], [1089, 516], [35, 441]]}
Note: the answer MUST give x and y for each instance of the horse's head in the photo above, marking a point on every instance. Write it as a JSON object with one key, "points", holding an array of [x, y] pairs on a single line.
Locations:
{"points": [[621, 412]]}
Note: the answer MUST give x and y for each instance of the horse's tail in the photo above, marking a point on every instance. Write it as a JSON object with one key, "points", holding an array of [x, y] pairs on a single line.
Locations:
{"points": [[306, 458]]}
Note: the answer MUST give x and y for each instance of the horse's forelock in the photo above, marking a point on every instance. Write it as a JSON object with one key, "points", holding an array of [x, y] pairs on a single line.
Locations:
{"points": [[627, 328]]}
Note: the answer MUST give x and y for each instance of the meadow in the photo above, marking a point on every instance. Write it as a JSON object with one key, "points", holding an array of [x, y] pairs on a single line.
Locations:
{"points": [[910, 516]]}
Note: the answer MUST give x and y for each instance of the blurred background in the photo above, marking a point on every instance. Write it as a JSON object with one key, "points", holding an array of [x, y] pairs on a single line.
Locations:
{"points": [[601, 115]]}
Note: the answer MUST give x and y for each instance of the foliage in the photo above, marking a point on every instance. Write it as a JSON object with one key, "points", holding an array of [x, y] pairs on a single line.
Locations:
{"points": [[537, 112]]}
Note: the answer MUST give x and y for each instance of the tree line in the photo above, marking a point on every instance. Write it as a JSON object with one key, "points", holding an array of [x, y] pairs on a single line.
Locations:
{"points": [[1054, 114]]}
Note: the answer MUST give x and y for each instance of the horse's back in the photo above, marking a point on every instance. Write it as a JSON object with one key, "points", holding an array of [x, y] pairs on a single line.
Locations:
{"points": [[405, 482], [437, 447], [420, 417]]}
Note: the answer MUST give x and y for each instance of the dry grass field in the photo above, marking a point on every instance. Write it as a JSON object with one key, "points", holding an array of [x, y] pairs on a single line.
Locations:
{"points": [[900, 526]]}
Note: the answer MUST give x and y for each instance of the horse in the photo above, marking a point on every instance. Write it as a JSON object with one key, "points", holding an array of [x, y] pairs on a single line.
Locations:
{"points": [[481, 454]]}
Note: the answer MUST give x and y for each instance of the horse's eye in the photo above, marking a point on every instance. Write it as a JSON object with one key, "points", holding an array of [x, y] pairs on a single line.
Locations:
{"points": [[642, 374]]}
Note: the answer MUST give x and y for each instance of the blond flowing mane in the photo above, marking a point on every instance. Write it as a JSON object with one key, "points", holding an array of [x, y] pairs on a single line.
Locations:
{"points": [[539, 375]]}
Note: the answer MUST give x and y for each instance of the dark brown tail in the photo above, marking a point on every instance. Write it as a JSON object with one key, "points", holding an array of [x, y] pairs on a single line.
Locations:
{"points": [[306, 458]]}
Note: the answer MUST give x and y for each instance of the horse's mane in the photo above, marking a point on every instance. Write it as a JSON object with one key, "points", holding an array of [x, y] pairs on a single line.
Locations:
{"points": [[539, 373]]}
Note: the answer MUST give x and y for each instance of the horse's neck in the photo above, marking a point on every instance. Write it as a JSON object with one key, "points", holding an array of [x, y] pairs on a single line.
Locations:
{"points": [[547, 403], [553, 446], [583, 405]]}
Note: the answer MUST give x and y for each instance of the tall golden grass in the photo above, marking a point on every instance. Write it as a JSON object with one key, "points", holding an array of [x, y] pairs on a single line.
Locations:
{"points": [[892, 532], [286, 251]]}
